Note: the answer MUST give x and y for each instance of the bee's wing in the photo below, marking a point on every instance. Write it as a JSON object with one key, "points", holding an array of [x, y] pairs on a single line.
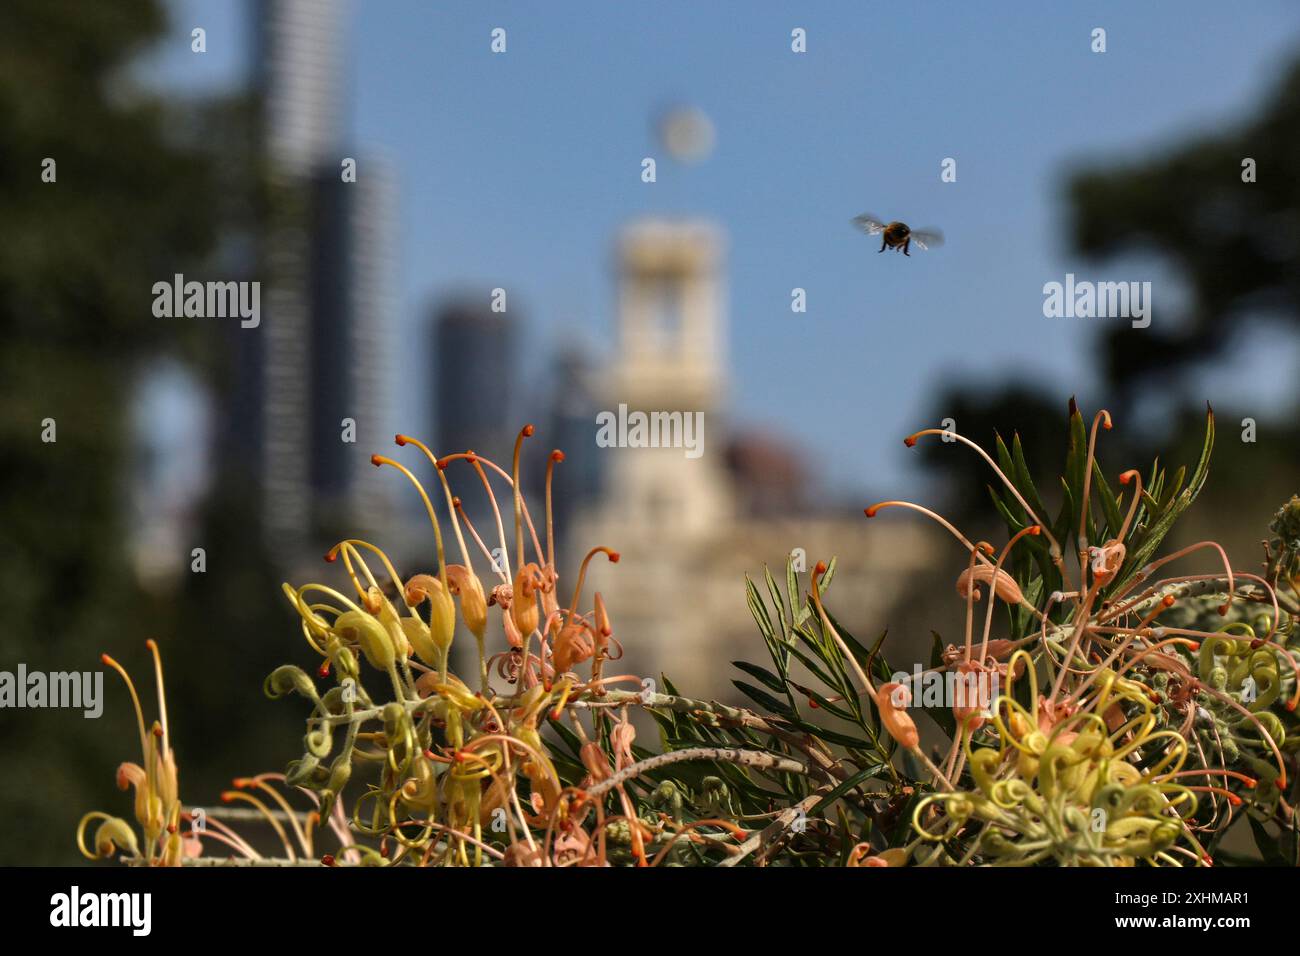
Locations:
{"points": [[869, 224], [925, 238]]}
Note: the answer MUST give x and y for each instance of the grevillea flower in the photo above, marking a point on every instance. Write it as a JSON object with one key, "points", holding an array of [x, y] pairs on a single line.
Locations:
{"points": [[1109, 763], [452, 755], [154, 780]]}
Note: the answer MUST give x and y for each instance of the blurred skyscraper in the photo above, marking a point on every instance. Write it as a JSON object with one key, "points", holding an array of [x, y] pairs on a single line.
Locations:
{"points": [[574, 403], [312, 376], [352, 317], [474, 382]]}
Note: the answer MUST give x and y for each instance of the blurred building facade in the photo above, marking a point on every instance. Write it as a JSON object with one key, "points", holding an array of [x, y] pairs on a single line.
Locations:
{"points": [[690, 529], [310, 382], [475, 376]]}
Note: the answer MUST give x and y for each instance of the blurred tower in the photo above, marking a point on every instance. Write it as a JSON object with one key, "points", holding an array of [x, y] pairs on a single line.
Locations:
{"points": [[667, 514], [690, 529], [352, 311], [670, 358], [573, 409], [299, 53], [321, 352], [473, 354]]}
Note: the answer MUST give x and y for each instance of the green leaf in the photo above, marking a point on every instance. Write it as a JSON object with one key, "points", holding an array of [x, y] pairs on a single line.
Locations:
{"points": [[857, 779], [1109, 503], [762, 675], [1024, 481], [1267, 844], [763, 699], [792, 591]]}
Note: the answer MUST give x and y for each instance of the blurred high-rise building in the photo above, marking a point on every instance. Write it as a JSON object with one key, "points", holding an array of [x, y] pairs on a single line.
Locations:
{"points": [[298, 48], [352, 314], [475, 377], [311, 378], [576, 382]]}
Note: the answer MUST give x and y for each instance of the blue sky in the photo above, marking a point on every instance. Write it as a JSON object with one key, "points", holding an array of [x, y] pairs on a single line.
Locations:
{"points": [[516, 170]]}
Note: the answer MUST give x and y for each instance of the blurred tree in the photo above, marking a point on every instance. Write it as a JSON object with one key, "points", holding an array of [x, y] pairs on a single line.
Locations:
{"points": [[1236, 244], [982, 414], [139, 193]]}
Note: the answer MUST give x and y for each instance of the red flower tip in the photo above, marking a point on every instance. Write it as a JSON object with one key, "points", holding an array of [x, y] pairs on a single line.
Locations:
{"points": [[1207, 860], [813, 704], [151, 644], [227, 797], [1251, 783], [820, 569], [331, 556], [323, 670], [1194, 645], [1234, 799], [374, 460], [171, 828], [871, 511], [527, 431], [910, 441], [557, 455], [1290, 705], [327, 860], [399, 440], [157, 731], [455, 501], [613, 557], [1167, 601], [1035, 529], [442, 464], [1128, 476], [105, 660]]}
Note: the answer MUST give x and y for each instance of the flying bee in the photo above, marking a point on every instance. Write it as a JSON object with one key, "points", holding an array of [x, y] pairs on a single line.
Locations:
{"points": [[897, 235]]}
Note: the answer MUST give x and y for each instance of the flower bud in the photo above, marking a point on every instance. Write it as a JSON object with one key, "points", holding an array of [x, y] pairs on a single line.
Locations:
{"points": [[572, 647], [373, 639], [473, 605], [442, 616], [1004, 585], [892, 700], [523, 608], [417, 633], [114, 834], [387, 615], [289, 679]]}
